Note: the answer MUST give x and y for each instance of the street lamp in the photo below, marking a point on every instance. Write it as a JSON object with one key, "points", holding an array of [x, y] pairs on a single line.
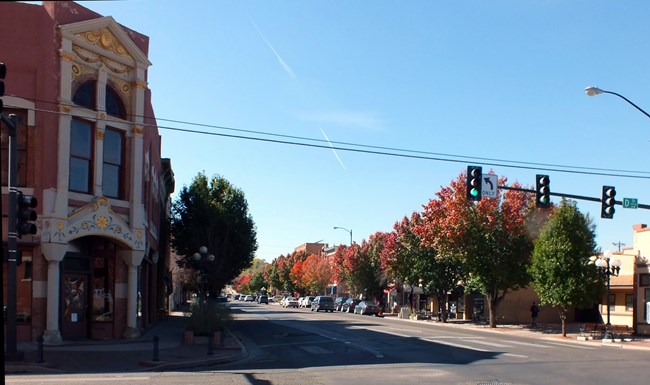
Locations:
{"points": [[202, 259], [349, 231], [607, 268], [592, 91]]}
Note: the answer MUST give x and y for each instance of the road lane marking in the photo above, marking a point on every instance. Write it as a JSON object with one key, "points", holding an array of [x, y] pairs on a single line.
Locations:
{"points": [[528, 344], [455, 345], [569, 345], [487, 343], [515, 355]]}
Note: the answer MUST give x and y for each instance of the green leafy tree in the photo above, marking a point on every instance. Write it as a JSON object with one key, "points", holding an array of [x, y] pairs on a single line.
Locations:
{"points": [[560, 269], [213, 213]]}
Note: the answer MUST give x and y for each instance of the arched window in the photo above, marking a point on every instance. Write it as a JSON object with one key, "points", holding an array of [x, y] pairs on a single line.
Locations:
{"points": [[85, 96], [114, 105]]}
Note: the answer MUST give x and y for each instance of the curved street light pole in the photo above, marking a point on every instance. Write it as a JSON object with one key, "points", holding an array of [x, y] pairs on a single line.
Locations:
{"points": [[349, 231], [592, 91]]}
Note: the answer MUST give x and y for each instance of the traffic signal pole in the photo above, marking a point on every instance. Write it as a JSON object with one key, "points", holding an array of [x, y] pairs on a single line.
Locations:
{"points": [[11, 352], [572, 196]]}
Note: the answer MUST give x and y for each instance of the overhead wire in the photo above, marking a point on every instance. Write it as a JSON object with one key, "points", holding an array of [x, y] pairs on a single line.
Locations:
{"points": [[374, 149]]}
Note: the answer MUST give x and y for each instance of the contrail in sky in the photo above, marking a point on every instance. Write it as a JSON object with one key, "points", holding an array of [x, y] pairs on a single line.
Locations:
{"points": [[333, 150], [284, 65]]}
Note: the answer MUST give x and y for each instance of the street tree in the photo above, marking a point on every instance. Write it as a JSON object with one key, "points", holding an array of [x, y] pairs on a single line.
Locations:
{"points": [[490, 238], [359, 266], [406, 259], [213, 213], [560, 269]]}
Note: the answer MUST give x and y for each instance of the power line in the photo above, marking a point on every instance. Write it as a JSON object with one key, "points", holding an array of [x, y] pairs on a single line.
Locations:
{"points": [[379, 150]]}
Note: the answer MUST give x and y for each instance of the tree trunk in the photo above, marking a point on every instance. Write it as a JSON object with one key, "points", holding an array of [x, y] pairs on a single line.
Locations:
{"points": [[491, 311], [563, 318]]}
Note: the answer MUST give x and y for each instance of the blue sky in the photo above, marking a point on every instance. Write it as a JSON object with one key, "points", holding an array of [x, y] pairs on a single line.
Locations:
{"points": [[496, 79]]}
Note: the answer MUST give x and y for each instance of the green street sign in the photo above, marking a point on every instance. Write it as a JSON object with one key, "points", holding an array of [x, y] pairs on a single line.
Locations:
{"points": [[630, 203]]}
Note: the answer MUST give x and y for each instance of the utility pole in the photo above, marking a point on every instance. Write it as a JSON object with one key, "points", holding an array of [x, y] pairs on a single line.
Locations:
{"points": [[618, 244]]}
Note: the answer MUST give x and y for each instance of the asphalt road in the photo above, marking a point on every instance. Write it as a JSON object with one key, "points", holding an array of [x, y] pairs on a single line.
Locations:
{"points": [[298, 346]]}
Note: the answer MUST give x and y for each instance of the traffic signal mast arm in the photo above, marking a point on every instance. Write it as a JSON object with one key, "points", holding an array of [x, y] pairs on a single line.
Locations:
{"points": [[572, 196]]}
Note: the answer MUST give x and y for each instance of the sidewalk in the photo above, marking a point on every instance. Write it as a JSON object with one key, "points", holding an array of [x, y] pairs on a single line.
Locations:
{"points": [[129, 355], [548, 331]]}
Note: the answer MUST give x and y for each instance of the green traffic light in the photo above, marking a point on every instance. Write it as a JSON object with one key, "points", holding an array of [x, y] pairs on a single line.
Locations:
{"points": [[474, 192]]}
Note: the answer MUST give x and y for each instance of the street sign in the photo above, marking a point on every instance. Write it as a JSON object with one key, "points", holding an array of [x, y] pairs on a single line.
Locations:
{"points": [[489, 186], [630, 203]]}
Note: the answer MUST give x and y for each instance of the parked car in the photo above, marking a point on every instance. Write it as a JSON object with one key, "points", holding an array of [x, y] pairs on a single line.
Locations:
{"points": [[366, 308], [338, 302], [322, 302], [263, 299], [236, 296], [289, 302], [249, 298], [349, 305], [222, 301], [306, 301]]}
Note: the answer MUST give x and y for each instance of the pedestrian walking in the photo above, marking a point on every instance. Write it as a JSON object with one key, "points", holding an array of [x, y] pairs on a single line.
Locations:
{"points": [[534, 312]]}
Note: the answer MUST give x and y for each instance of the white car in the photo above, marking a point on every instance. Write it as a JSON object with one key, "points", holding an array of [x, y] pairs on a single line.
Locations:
{"points": [[289, 302], [306, 301]]}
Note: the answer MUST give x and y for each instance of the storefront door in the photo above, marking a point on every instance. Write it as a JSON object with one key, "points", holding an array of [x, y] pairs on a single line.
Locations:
{"points": [[74, 299]]}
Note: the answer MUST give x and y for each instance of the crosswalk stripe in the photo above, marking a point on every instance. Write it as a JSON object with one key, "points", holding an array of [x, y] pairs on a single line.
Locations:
{"points": [[570, 345], [488, 343]]}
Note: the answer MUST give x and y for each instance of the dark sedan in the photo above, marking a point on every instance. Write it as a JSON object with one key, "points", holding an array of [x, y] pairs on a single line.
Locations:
{"points": [[366, 308]]}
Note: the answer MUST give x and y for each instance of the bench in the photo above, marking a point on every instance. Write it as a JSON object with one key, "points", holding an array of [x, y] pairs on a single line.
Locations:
{"points": [[592, 330], [621, 331]]}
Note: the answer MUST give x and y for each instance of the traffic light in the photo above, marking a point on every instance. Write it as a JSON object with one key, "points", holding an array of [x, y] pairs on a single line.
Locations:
{"points": [[542, 191], [25, 216], [474, 183], [608, 202], [3, 73]]}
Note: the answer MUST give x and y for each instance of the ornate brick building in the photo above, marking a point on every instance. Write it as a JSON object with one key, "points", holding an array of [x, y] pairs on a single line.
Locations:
{"points": [[89, 151]]}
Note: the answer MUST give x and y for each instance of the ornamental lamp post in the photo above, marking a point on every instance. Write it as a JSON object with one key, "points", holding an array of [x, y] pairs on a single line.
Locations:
{"points": [[607, 268], [202, 259]]}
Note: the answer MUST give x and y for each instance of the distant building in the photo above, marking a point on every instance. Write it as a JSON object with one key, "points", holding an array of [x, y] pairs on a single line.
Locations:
{"points": [[89, 151]]}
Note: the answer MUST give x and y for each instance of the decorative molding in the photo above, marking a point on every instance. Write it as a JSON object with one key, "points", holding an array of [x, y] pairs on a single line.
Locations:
{"points": [[99, 134], [101, 115], [67, 56], [104, 39], [138, 130], [64, 108], [96, 218], [140, 84], [95, 58]]}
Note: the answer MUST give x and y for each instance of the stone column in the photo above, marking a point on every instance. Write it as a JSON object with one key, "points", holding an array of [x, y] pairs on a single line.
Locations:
{"points": [[53, 253], [133, 259]]}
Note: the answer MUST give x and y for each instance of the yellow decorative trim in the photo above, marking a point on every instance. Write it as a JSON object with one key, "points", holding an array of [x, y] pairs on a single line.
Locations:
{"points": [[99, 134], [140, 84], [67, 57], [63, 108], [91, 57], [75, 70], [105, 39], [138, 130], [102, 115]]}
